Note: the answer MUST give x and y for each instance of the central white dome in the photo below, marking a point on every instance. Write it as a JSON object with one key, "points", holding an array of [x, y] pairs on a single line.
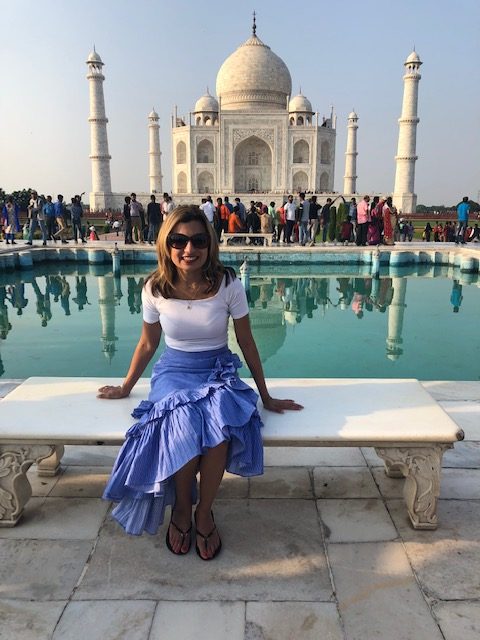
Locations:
{"points": [[253, 78]]}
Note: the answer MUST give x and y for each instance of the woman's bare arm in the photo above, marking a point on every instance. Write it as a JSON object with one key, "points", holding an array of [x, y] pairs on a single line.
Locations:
{"points": [[146, 347], [249, 349]]}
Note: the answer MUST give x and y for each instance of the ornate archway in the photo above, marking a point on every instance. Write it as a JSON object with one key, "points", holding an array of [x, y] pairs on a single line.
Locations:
{"points": [[253, 166], [205, 152], [300, 181], [205, 182]]}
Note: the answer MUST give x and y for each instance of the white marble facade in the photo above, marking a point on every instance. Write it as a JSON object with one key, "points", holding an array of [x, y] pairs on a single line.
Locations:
{"points": [[254, 138]]}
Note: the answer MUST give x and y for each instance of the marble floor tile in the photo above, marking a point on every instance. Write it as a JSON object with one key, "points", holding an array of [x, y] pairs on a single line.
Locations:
{"points": [[388, 487], [106, 620], [81, 482], [459, 620], [313, 457], [344, 482], [453, 389], [41, 569], [464, 455], [282, 482], [42, 485], [88, 456], [447, 560], [180, 621], [460, 484], [356, 521], [21, 620], [466, 415], [371, 457], [377, 593], [270, 547], [59, 519], [289, 620], [233, 486]]}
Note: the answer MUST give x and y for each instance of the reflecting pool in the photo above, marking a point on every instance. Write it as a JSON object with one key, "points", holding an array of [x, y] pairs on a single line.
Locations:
{"points": [[80, 320]]}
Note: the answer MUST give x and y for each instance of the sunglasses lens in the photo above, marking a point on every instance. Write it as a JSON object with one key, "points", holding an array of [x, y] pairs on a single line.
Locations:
{"points": [[180, 241], [177, 241], [200, 241]]}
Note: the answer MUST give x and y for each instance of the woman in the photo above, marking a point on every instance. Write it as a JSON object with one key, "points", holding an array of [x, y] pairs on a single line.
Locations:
{"points": [[10, 220], [200, 417], [389, 221]]}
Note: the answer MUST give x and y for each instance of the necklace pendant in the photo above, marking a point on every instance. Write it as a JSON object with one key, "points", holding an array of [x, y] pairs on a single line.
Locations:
{"points": [[189, 304]]}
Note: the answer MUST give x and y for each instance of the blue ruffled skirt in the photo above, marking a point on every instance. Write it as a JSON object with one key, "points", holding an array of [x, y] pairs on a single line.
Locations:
{"points": [[196, 402]]}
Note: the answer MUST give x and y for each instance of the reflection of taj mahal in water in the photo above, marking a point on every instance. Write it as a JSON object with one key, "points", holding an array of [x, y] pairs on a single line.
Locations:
{"points": [[277, 305], [254, 137]]}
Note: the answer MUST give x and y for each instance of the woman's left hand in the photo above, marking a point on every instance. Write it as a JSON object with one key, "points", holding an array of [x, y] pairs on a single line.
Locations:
{"points": [[279, 406]]}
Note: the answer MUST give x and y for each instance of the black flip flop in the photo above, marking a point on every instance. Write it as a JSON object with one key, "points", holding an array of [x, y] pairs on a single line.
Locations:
{"points": [[205, 539], [183, 534]]}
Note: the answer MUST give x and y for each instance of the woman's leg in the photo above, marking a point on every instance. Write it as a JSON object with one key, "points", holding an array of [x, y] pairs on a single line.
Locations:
{"points": [[182, 510], [212, 468]]}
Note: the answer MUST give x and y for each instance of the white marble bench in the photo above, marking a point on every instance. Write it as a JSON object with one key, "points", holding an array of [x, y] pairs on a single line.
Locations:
{"points": [[408, 429], [267, 237]]}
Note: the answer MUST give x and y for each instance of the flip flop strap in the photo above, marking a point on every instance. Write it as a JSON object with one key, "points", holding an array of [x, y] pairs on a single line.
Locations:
{"points": [[180, 531], [206, 537]]}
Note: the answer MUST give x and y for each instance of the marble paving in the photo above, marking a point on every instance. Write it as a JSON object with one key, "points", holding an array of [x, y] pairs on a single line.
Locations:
{"points": [[319, 547]]}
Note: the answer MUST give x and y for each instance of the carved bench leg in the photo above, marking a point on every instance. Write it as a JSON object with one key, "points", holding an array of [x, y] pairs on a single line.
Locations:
{"points": [[15, 489], [50, 465], [421, 467]]}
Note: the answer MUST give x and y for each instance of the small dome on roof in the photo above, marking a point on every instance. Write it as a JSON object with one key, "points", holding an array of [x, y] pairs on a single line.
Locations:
{"points": [[153, 114], [413, 57], [94, 57], [206, 103], [352, 116], [300, 103]]}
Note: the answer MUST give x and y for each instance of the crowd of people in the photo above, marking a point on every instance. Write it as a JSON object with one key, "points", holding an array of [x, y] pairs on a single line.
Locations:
{"points": [[299, 220], [53, 219]]}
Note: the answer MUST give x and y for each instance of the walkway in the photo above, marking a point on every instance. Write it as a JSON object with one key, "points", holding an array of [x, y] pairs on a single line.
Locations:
{"points": [[319, 547]]}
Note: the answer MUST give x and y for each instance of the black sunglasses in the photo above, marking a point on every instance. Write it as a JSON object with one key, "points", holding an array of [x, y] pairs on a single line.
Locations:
{"points": [[180, 241]]}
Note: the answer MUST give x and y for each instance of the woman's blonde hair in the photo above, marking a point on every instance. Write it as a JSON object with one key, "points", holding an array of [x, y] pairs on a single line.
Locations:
{"points": [[164, 278]]}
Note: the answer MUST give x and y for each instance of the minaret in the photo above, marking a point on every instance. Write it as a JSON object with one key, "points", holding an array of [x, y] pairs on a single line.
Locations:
{"points": [[107, 302], [154, 153], [350, 178], [100, 198], [396, 311], [404, 197]]}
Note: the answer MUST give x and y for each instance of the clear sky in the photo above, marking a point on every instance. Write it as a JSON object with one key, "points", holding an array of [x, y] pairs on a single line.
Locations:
{"points": [[161, 53]]}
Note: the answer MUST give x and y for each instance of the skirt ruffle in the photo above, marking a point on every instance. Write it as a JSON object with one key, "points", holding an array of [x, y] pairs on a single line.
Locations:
{"points": [[215, 406]]}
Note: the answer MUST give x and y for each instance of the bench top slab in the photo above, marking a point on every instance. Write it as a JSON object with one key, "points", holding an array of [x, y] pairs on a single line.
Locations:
{"points": [[337, 411]]}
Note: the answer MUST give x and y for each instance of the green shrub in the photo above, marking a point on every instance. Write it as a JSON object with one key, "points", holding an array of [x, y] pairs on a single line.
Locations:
{"points": [[332, 225]]}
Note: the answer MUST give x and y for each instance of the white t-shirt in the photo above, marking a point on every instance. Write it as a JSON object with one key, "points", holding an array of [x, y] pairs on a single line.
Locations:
{"points": [[196, 325], [208, 209], [290, 209]]}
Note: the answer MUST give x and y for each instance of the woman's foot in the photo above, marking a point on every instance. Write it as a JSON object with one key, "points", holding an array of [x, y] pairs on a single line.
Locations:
{"points": [[208, 543], [179, 533]]}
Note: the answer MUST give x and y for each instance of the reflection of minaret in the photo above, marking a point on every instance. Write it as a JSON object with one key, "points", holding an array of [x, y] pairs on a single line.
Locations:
{"points": [[350, 178], [395, 318], [404, 197], [154, 153], [99, 155], [107, 301]]}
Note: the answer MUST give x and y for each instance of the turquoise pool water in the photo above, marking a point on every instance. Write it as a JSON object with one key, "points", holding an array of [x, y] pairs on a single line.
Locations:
{"points": [[78, 320]]}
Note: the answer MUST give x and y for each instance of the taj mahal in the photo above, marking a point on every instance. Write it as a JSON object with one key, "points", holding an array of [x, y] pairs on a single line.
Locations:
{"points": [[253, 137]]}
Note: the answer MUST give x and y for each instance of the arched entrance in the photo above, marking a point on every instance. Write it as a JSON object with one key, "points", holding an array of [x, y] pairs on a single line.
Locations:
{"points": [[300, 181], [253, 166]]}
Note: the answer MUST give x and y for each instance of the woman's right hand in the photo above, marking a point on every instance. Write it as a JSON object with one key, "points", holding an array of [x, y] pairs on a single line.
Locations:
{"points": [[109, 392]]}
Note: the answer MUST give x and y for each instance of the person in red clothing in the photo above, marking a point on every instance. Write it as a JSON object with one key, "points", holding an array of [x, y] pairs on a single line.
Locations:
{"points": [[224, 214], [235, 225]]}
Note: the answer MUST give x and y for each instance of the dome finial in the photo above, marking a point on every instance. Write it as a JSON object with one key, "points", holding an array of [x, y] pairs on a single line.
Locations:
{"points": [[254, 27]]}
